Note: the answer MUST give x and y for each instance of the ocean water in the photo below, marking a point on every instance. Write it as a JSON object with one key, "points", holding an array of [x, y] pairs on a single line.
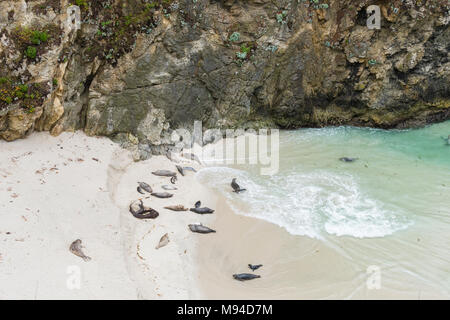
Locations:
{"points": [[396, 193]]}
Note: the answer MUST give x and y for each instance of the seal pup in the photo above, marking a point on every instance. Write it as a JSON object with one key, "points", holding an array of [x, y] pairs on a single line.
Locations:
{"points": [[347, 159], [162, 194], [145, 186], [76, 247], [178, 207], [236, 187], [253, 267], [245, 276], [164, 173], [199, 228], [166, 187], [198, 204], [163, 241]]}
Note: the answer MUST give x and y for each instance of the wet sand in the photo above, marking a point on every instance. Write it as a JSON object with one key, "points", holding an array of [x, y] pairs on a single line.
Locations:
{"points": [[294, 267]]}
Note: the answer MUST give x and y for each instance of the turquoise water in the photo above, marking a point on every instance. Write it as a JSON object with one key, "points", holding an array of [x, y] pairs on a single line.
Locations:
{"points": [[400, 177], [391, 207]]}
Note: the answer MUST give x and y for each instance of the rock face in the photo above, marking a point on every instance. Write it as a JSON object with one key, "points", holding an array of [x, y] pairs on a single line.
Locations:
{"points": [[137, 69]]}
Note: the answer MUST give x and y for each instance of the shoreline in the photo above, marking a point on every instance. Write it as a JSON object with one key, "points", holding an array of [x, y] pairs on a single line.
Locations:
{"points": [[80, 187]]}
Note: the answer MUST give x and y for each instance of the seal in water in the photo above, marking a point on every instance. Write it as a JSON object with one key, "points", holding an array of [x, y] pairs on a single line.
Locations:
{"points": [[166, 187], [236, 187], [164, 173], [245, 276], [447, 140], [138, 210], [199, 228], [163, 241], [145, 186], [254, 266], [346, 159], [173, 179], [198, 204], [204, 210], [75, 248], [178, 207], [162, 194]]}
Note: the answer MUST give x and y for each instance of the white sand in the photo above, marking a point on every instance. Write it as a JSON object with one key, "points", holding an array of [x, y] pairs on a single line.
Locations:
{"points": [[53, 192]]}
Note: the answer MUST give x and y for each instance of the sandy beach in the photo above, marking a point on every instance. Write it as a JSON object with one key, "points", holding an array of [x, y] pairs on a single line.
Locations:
{"points": [[56, 190]]}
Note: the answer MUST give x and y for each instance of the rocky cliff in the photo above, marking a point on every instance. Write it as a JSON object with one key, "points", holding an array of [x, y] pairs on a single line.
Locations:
{"points": [[136, 69]]}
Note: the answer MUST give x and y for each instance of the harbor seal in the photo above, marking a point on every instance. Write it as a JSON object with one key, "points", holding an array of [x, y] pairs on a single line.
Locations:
{"points": [[178, 207], [253, 267], [198, 204], [164, 173], [236, 187], [163, 241], [145, 186], [204, 210], [76, 247], [173, 180], [182, 170], [347, 159], [138, 210], [162, 194], [199, 228], [166, 187], [245, 276]]}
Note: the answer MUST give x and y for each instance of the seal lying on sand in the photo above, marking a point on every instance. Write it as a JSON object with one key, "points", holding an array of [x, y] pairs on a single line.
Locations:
{"points": [[164, 173], [144, 186], [255, 266], [182, 170], [199, 210], [138, 210], [173, 179], [166, 187], [204, 210], [163, 241], [346, 159], [236, 187], [178, 207], [162, 194], [245, 276], [199, 228], [75, 248]]}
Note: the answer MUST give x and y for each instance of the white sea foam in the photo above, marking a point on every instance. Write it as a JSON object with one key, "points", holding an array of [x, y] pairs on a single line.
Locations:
{"points": [[311, 204]]}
